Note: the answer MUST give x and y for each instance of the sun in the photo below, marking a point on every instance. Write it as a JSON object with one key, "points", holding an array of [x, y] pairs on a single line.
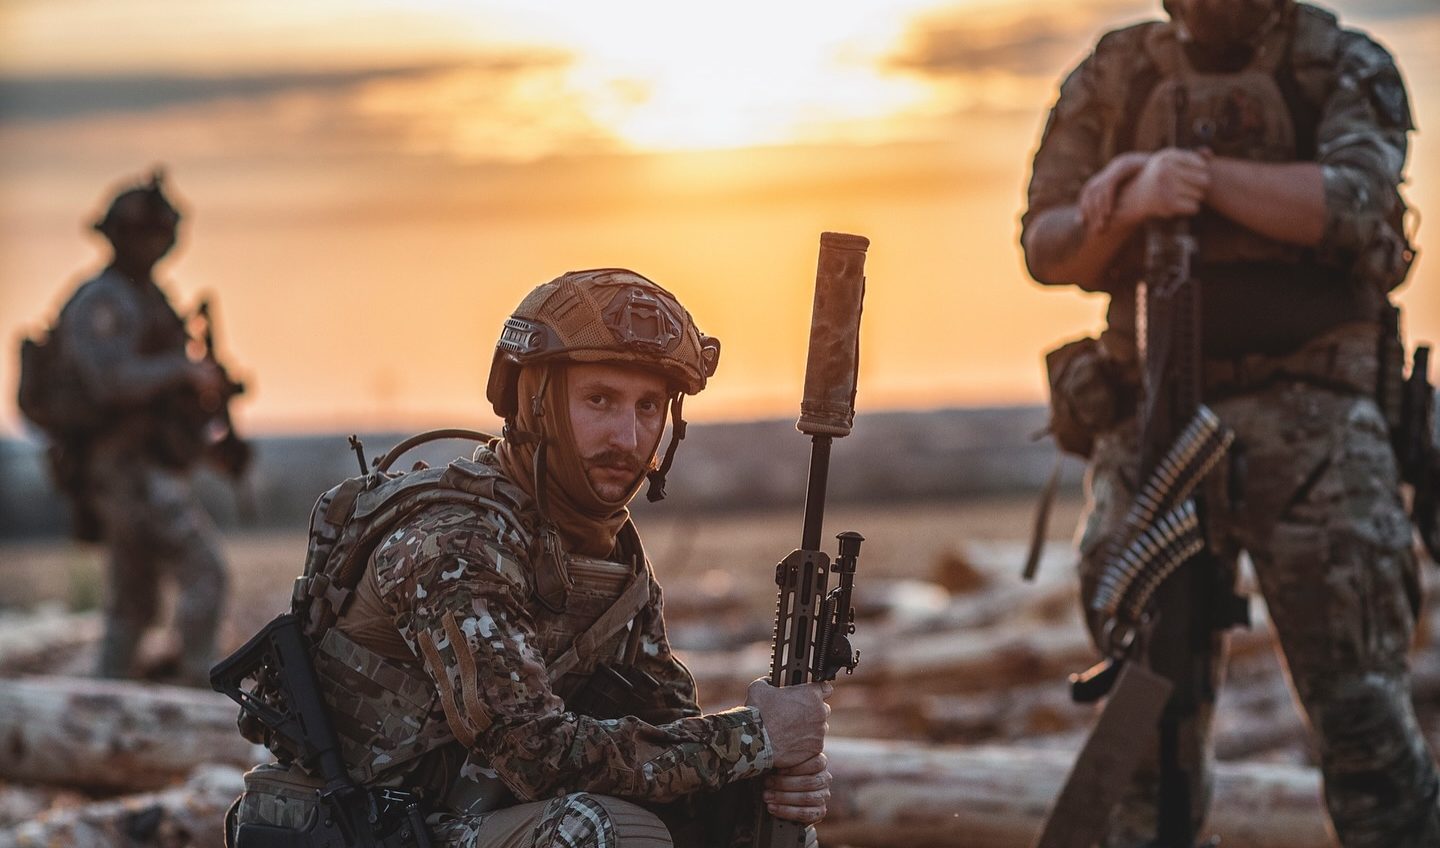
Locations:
{"points": [[681, 76]]}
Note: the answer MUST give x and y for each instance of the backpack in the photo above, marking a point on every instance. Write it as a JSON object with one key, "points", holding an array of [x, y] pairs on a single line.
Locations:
{"points": [[346, 525], [353, 517], [51, 395]]}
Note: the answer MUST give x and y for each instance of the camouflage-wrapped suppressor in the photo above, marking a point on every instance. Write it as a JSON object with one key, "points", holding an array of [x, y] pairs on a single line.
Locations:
{"points": [[828, 408]]}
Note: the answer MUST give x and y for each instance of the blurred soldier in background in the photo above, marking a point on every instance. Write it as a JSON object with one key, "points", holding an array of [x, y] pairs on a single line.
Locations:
{"points": [[1297, 136], [129, 414]]}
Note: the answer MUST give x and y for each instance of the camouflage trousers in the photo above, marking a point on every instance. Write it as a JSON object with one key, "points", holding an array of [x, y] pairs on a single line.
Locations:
{"points": [[1314, 499], [155, 528], [285, 797]]}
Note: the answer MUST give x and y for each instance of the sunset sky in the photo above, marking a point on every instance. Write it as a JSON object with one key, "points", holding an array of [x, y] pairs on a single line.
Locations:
{"points": [[371, 185]]}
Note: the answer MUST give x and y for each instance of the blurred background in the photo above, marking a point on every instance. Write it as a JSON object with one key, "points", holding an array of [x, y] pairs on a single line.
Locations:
{"points": [[370, 186]]}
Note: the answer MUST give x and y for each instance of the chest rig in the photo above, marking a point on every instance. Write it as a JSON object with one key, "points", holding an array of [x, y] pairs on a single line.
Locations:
{"points": [[1241, 114]]}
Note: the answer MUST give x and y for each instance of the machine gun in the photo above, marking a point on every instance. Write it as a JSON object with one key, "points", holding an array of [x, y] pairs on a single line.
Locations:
{"points": [[1159, 595], [813, 623], [285, 699]]}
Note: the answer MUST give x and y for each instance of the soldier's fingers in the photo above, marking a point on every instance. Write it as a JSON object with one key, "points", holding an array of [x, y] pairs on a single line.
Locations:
{"points": [[813, 765], [798, 782], [808, 798], [804, 815]]}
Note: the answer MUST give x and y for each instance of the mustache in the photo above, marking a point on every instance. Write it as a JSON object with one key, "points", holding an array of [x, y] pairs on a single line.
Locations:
{"points": [[615, 459]]}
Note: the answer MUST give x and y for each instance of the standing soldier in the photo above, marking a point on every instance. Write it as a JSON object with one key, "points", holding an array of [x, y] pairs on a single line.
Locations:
{"points": [[129, 414], [499, 648], [1298, 140]]}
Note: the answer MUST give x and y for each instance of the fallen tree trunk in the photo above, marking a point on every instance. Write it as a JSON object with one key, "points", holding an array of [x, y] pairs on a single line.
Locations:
{"points": [[114, 735], [35, 641], [904, 793], [951, 661], [191, 816]]}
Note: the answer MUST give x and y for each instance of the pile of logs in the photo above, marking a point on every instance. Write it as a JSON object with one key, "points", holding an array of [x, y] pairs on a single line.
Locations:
{"points": [[955, 730]]}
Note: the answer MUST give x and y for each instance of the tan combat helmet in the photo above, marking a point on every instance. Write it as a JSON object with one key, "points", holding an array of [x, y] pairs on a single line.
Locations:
{"points": [[143, 205], [604, 315]]}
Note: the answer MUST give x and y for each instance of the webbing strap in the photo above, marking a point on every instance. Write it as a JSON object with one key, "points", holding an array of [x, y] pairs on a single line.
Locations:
{"points": [[620, 613]]}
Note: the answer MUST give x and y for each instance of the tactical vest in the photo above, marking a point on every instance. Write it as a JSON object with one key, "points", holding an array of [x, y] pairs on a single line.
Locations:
{"points": [[1241, 114], [388, 714]]}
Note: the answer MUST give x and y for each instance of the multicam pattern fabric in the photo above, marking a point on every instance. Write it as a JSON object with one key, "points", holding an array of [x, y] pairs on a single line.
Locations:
{"points": [[127, 347], [441, 677], [1319, 512], [1355, 127], [1315, 500], [460, 598]]}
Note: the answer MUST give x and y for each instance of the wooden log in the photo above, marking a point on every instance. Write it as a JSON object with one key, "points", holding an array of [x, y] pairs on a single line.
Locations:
{"points": [[190, 816], [114, 735], [904, 793], [960, 660], [37, 640]]}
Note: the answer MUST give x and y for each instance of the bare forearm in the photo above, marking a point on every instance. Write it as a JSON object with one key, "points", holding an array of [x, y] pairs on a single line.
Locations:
{"points": [[1061, 250], [1284, 201]]}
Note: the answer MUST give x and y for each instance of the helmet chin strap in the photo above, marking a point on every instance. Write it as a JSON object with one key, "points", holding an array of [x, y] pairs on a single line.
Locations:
{"points": [[551, 578], [677, 434]]}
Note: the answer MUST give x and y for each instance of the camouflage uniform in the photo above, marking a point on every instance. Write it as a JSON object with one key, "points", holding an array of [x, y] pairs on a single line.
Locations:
{"points": [[442, 677], [1290, 366], [126, 346]]}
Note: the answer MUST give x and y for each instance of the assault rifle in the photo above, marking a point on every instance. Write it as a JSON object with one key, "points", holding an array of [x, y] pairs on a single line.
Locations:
{"points": [[347, 815], [1159, 595], [812, 622], [229, 453]]}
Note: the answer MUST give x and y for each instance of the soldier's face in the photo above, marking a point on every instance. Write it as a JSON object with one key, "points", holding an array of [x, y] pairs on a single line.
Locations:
{"points": [[617, 414]]}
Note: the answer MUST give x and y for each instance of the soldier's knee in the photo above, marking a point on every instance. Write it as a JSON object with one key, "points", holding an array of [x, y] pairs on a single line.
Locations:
{"points": [[600, 821]]}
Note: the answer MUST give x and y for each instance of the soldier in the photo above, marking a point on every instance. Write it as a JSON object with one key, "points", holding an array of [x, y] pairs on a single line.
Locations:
{"points": [[125, 348], [1301, 132], [505, 656]]}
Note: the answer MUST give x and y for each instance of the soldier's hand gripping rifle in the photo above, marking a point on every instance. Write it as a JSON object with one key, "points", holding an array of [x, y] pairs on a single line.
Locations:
{"points": [[285, 700], [1158, 596], [812, 622]]}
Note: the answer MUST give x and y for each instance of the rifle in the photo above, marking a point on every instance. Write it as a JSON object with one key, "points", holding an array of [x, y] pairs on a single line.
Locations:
{"points": [[813, 623], [1159, 596], [347, 815], [229, 453], [1417, 451]]}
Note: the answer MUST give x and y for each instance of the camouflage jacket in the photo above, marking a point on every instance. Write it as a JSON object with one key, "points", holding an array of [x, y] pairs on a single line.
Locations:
{"points": [[448, 599], [124, 340], [125, 345], [1351, 116]]}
